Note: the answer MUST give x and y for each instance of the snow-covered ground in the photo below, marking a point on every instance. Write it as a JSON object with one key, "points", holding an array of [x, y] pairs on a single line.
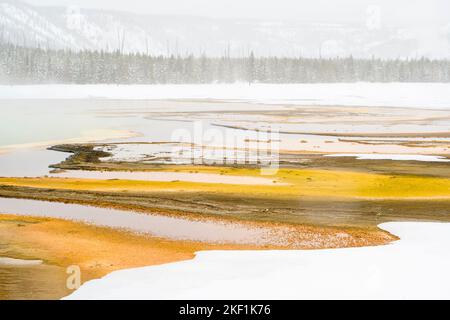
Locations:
{"points": [[419, 95], [415, 267]]}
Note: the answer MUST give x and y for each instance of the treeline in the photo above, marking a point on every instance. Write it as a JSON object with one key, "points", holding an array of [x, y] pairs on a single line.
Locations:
{"points": [[21, 65]]}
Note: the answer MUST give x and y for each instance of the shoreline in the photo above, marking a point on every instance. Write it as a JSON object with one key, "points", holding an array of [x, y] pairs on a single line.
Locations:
{"points": [[314, 203], [196, 254], [96, 250], [379, 272], [58, 243], [263, 234], [91, 136]]}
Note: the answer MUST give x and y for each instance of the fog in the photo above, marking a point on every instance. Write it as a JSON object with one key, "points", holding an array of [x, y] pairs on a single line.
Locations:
{"points": [[320, 28], [398, 12]]}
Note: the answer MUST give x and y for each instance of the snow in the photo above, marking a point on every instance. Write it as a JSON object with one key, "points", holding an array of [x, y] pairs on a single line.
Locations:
{"points": [[20, 18], [416, 95], [416, 267], [177, 153], [395, 157]]}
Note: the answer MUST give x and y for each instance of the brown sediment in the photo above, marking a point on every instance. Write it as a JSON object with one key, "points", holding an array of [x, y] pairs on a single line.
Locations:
{"points": [[85, 158], [97, 251], [304, 211], [288, 229]]}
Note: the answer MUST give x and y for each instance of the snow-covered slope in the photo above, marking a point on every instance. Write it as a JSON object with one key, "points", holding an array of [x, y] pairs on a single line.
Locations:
{"points": [[71, 27]]}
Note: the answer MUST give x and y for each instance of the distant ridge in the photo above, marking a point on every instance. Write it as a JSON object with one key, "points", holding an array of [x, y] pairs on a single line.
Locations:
{"points": [[79, 29]]}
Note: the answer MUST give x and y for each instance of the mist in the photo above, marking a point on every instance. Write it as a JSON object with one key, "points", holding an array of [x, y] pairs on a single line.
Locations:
{"points": [[284, 28], [399, 12]]}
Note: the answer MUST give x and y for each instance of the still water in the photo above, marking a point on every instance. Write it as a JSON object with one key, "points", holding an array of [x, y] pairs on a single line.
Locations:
{"points": [[155, 225], [33, 121]]}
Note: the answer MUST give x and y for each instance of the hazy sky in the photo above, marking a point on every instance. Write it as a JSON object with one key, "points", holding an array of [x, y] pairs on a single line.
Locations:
{"points": [[402, 11]]}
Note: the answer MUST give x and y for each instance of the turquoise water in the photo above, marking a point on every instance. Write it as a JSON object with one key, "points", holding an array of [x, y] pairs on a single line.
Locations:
{"points": [[32, 121], [29, 162], [37, 121]]}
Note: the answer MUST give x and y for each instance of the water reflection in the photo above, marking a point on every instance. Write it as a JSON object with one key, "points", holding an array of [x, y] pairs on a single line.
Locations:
{"points": [[155, 225]]}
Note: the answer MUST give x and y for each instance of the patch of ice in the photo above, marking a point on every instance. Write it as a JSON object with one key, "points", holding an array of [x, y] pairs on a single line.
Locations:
{"points": [[395, 157]]}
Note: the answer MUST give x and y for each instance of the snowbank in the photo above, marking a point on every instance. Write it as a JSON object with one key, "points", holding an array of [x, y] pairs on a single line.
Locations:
{"points": [[426, 95], [415, 267]]}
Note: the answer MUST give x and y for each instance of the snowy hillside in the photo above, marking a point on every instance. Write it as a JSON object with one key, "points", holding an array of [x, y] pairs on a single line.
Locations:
{"points": [[71, 27]]}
